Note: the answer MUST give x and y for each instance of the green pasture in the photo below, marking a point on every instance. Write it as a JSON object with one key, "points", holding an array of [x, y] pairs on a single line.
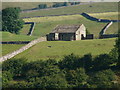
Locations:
{"points": [[45, 25], [57, 49], [41, 29], [24, 5], [107, 15], [8, 48], [25, 29], [88, 8], [6, 36]]}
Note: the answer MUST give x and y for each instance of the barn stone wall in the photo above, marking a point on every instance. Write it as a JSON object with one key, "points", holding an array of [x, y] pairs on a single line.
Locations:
{"points": [[108, 36], [90, 36], [14, 53]]}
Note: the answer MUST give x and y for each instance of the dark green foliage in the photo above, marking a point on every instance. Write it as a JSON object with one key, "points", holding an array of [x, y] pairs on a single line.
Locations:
{"points": [[102, 62], [117, 46], [14, 66], [40, 68], [6, 76], [19, 84], [71, 72], [102, 79], [54, 81], [69, 62], [42, 6], [11, 21], [59, 4], [87, 32], [87, 62], [74, 3], [77, 78]]}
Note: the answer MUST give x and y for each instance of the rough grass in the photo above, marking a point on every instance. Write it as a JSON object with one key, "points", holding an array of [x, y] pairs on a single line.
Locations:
{"points": [[96, 7], [108, 15], [42, 29], [6, 36], [45, 25], [24, 5], [25, 29], [60, 48], [8, 48]]}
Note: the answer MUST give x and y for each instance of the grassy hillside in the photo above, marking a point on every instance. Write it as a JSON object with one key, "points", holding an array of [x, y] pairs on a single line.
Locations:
{"points": [[25, 29], [8, 48], [23, 5], [42, 29], [96, 7], [60, 48], [45, 25], [6, 36], [107, 15]]}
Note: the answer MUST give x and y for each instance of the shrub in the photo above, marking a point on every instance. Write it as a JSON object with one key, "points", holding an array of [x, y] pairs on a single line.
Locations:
{"points": [[6, 77], [14, 66], [102, 79], [77, 78], [102, 61], [42, 6], [69, 62], [11, 21], [53, 81]]}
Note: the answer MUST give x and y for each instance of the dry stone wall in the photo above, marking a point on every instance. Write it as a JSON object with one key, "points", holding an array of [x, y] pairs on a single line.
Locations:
{"points": [[10, 55]]}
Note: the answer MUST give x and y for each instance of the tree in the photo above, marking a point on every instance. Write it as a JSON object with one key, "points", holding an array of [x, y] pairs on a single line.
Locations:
{"points": [[102, 61], [102, 79], [69, 62], [65, 4], [6, 77], [11, 21], [41, 68], [77, 78], [115, 52], [87, 32], [87, 62], [53, 81], [14, 66], [42, 6], [117, 46]]}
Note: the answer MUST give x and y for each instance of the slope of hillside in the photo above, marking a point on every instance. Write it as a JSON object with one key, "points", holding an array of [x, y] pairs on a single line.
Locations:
{"points": [[57, 49], [89, 8]]}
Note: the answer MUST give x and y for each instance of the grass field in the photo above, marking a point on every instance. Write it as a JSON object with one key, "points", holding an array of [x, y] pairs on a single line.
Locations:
{"points": [[42, 29], [60, 48], [6, 36], [24, 5], [45, 25], [8, 48], [25, 29], [107, 15], [96, 7]]}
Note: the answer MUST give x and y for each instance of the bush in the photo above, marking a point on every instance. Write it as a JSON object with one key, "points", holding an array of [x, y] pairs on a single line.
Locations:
{"points": [[14, 66], [41, 68], [11, 21], [102, 79], [77, 78], [6, 77], [42, 6], [55, 81], [102, 61], [69, 62], [60, 4]]}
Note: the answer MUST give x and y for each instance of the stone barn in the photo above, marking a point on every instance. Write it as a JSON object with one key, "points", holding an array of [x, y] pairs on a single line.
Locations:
{"points": [[67, 33]]}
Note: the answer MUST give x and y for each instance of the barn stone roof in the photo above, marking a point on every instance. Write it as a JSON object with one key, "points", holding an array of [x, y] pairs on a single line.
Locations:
{"points": [[66, 29]]}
